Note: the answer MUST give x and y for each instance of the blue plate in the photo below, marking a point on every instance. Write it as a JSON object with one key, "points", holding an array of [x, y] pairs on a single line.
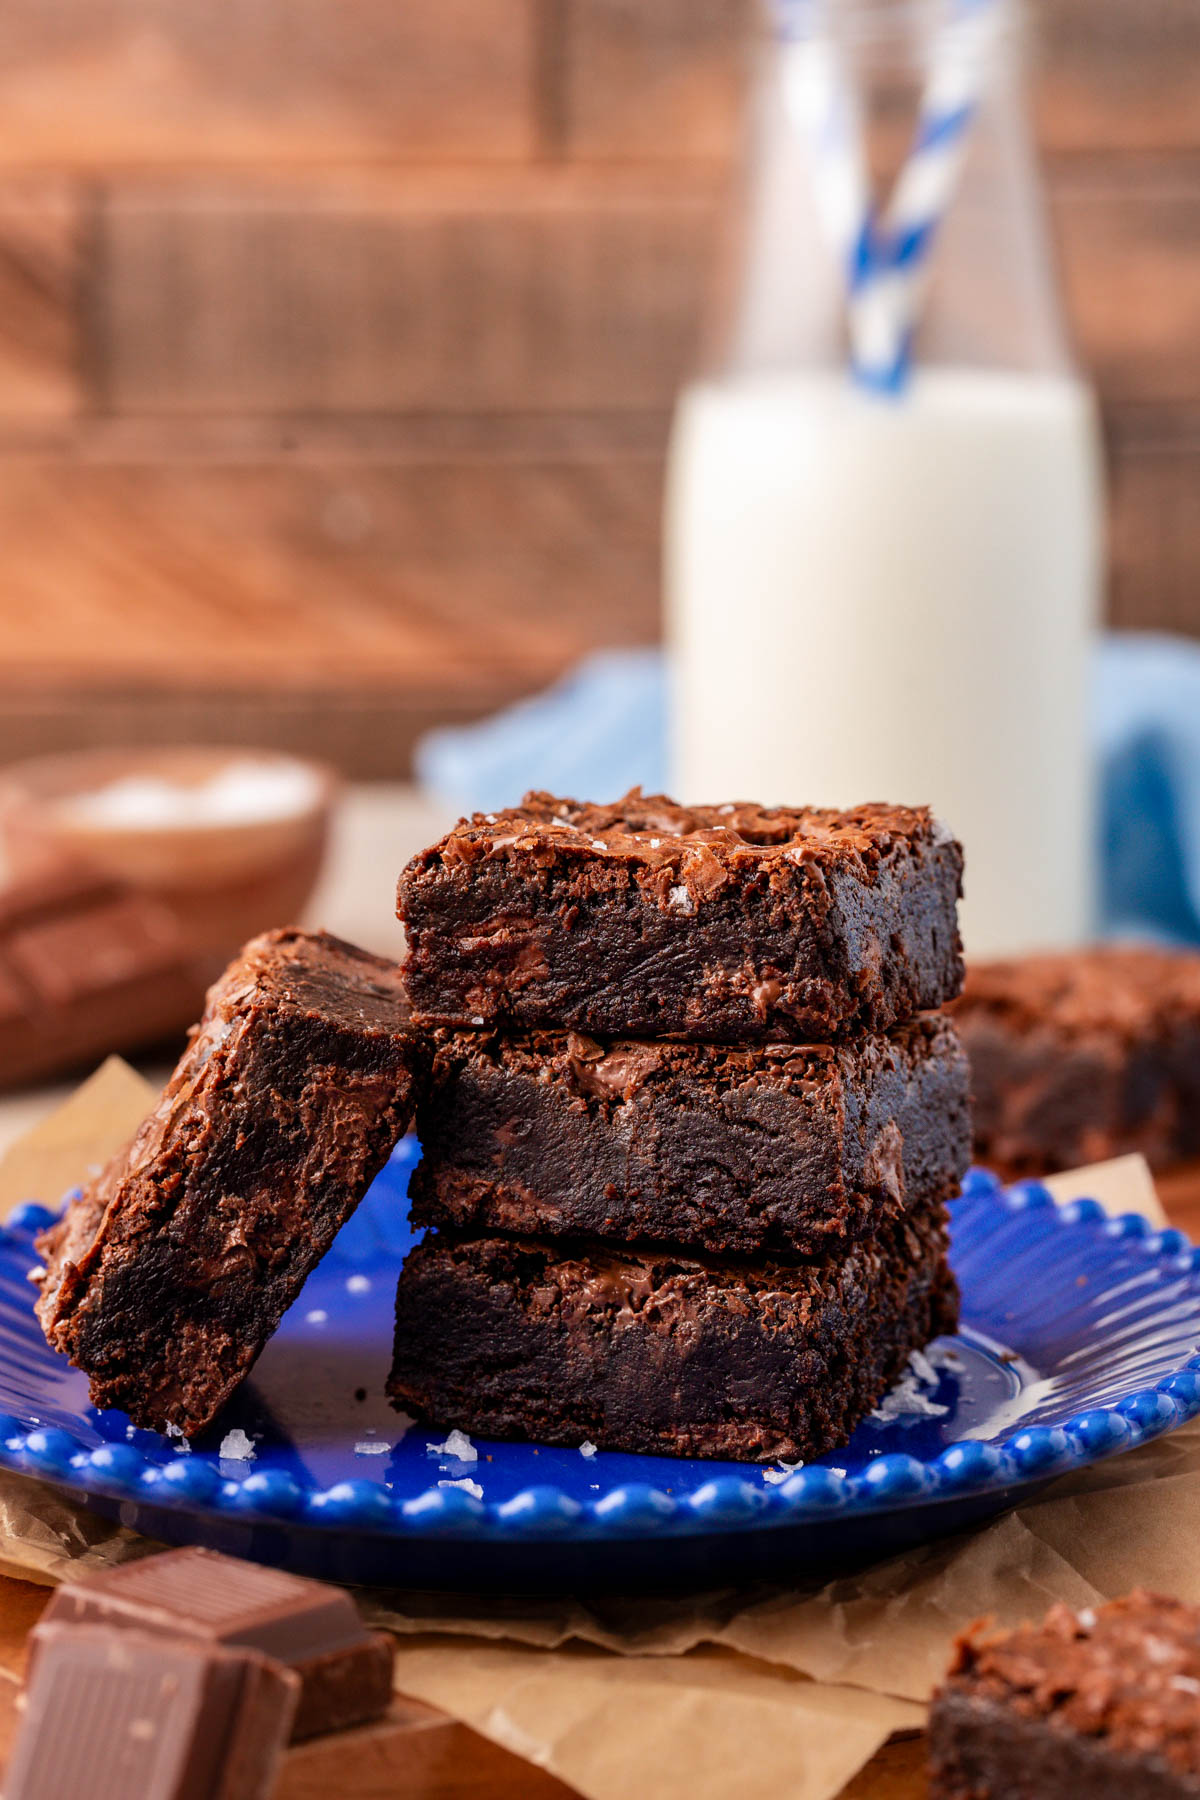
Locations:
{"points": [[1078, 1340]]}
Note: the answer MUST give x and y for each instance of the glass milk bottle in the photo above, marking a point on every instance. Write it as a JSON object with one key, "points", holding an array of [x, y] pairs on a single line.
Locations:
{"points": [[883, 508]]}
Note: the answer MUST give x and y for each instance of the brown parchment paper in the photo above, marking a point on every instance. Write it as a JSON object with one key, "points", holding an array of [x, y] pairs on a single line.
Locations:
{"points": [[708, 1723], [1123, 1184], [792, 1687], [77, 1138]]}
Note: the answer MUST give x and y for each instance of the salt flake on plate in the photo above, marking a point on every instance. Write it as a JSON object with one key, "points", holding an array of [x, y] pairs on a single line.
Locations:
{"points": [[908, 1402], [780, 1474], [458, 1445], [236, 1447], [371, 1447], [587, 1448]]}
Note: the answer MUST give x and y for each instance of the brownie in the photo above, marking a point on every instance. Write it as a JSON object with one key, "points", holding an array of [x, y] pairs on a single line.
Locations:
{"points": [[784, 1147], [1105, 1704], [726, 924], [167, 1276], [662, 1352], [1077, 1056]]}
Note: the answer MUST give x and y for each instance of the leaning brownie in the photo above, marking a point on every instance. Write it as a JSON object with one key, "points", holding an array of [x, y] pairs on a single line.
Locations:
{"points": [[1105, 1704], [1081, 1055], [661, 1352], [783, 1147], [726, 924], [169, 1274]]}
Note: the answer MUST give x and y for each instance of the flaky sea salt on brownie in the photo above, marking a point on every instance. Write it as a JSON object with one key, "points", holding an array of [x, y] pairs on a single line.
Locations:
{"points": [[660, 1352], [780, 1147], [1081, 1055], [169, 1274], [730, 924], [1103, 1703]]}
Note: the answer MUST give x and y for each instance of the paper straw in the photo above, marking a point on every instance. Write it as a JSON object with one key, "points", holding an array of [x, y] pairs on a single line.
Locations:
{"points": [[885, 256], [826, 106], [888, 286]]}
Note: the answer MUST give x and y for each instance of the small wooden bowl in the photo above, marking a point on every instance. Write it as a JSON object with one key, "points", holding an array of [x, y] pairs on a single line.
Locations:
{"points": [[225, 879]]}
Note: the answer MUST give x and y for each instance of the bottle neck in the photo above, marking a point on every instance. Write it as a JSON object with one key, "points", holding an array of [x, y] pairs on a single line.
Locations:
{"points": [[900, 66], [892, 211]]}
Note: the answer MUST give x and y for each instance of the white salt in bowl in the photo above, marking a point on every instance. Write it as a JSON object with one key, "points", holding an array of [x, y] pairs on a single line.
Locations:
{"points": [[232, 839]]}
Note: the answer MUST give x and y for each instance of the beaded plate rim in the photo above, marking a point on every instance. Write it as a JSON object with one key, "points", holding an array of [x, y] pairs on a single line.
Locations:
{"points": [[988, 1219]]}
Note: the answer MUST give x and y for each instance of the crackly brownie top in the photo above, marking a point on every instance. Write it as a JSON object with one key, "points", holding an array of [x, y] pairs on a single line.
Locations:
{"points": [[1128, 1673], [655, 832], [1123, 990]]}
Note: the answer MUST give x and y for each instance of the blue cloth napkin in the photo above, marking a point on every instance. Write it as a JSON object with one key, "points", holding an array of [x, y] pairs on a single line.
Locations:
{"points": [[601, 730], [1146, 721], [595, 734]]}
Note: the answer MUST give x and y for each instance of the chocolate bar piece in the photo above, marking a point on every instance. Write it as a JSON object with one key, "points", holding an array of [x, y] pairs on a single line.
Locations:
{"points": [[1081, 1055], [167, 1277], [1103, 1703], [345, 1671], [780, 1147], [88, 966], [119, 1715], [724, 924], [665, 1353]]}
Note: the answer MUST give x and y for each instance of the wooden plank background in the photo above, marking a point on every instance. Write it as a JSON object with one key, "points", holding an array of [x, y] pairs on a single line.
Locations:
{"points": [[338, 343]]}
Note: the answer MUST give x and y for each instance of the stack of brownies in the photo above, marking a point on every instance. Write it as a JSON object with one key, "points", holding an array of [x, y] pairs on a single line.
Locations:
{"points": [[688, 1123]]}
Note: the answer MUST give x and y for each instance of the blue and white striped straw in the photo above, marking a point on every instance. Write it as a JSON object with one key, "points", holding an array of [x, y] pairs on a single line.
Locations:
{"points": [[887, 255]]}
